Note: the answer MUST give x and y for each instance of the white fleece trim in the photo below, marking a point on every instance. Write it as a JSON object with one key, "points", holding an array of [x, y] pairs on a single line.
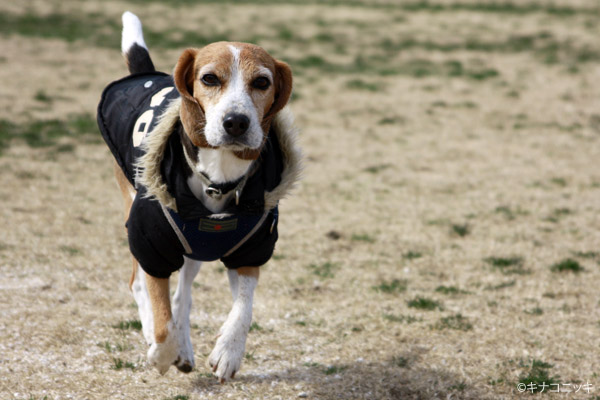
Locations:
{"points": [[287, 133]]}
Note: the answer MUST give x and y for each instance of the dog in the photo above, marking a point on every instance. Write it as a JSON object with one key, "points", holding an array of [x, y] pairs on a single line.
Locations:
{"points": [[202, 158]]}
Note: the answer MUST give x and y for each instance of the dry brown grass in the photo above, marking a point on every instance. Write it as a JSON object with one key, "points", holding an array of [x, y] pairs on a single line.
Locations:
{"points": [[416, 179]]}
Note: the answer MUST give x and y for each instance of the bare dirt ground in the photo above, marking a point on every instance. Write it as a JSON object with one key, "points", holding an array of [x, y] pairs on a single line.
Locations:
{"points": [[444, 242]]}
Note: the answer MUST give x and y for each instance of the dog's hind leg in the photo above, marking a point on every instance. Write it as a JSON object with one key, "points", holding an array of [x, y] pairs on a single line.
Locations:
{"points": [[137, 283], [182, 303], [140, 294], [226, 357]]}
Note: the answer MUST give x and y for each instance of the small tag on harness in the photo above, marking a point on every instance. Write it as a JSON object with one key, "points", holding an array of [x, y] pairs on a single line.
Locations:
{"points": [[212, 225]]}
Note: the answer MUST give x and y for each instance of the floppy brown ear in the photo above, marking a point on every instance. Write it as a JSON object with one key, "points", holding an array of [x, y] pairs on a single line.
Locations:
{"points": [[184, 74], [283, 88], [191, 113]]}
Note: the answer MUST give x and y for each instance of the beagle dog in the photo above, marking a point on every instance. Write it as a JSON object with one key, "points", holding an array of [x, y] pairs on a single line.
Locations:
{"points": [[202, 159]]}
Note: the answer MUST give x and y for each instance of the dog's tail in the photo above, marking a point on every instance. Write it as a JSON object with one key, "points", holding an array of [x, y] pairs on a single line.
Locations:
{"points": [[133, 46]]}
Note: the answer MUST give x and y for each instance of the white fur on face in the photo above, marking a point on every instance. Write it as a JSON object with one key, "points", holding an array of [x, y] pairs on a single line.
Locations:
{"points": [[236, 99]]}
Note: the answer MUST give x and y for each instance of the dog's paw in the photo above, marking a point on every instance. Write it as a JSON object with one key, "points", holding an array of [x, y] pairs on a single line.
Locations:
{"points": [[226, 357], [185, 360], [162, 355], [185, 363]]}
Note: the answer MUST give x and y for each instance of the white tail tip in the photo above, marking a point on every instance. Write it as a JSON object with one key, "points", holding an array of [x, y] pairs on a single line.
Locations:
{"points": [[132, 32]]}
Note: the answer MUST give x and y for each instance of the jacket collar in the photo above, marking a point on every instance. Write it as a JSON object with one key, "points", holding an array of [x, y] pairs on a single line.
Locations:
{"points": [[149, 165]]}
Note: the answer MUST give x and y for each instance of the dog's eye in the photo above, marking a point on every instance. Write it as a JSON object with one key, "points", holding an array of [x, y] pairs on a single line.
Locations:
{"points": [[210, 80], [261, 83]]}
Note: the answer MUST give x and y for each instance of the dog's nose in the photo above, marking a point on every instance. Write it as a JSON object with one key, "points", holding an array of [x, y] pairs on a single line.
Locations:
{"points": [[236, 124]]}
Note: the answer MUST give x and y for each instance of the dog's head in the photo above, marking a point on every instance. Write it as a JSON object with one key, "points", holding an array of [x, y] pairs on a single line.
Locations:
{"points": [[230, 94]]}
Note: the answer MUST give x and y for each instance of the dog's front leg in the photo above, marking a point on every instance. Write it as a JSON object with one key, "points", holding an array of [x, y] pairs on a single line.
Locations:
{"points": [[226, 357], [164, 350], [182, 304]]}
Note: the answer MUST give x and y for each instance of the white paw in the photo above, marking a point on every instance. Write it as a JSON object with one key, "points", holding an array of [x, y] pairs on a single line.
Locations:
{"points": [[185, 361], [226, 357], [162, 355]]}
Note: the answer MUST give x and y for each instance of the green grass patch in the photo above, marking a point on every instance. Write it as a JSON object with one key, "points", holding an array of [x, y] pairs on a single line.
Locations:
{"points": [[42, 97], [557, 214], [411, 255], [325, 270], [99, 30], [459, 387], [456, 322], [543, 45], [538, 375], [255, 327], [362, 237], [284, 33], [404, 319], [502, 285], [334, 369], [312, 61], [374, 169], [327, 370], [534, 311], [499, 7], [93, 28], [423, 303], [324, 37], [119, 364], [508, 265], [359, 84], [461, 230], [395, 286], [385, 65], [450, 290], [70, 250], [114, 348], [391, 121], [400, 361], [180, 396], [567, 265], [46, 133], [132, 324], [510, 213], [559, 181], [587, 254]]}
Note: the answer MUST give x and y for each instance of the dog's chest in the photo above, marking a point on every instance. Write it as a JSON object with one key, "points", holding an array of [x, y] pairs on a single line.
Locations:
{"points": [[221, 166]]}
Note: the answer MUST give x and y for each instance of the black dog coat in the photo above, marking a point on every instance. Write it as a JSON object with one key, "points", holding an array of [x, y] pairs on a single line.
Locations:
{"points": [[161, 234]]}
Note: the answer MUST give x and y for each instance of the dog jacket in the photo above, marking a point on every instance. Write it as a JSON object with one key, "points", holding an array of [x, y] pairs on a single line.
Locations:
{"points": [[138, 117]]}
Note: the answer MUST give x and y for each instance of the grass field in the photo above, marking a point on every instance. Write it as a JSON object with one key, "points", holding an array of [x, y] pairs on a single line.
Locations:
{"points": [[444, 242]]}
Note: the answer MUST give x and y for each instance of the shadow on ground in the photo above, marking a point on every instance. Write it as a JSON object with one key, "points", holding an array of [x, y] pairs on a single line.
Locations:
{"points": [[399, 378]]}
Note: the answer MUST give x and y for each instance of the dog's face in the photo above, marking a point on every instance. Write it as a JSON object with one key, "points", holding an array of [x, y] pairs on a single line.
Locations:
{"points": [[230, 92]]}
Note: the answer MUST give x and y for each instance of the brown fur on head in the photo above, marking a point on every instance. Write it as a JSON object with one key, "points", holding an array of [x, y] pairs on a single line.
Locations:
{"points": [[230, 77]]}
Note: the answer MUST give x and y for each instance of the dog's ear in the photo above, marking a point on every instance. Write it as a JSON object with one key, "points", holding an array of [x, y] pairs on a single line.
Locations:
{"points": [[191, 113], [184, 74], [283, 88]]}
